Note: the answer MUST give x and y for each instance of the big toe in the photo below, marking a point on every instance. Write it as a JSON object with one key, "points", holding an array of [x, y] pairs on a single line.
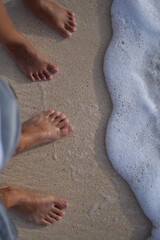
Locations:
{"points": [[61, 203], [49, 71], [52, 68], [66, 130]]}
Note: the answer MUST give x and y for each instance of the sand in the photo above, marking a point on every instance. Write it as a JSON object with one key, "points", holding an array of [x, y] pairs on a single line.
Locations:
{"points": [[102, 205]]}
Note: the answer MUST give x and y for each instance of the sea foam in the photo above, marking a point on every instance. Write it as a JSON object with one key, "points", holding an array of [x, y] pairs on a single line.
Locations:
{"points": [[132, 72]]}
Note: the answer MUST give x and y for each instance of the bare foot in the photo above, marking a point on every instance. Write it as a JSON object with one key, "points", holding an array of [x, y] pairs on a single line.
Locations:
{"points": [[35, 66], [46, 127], [57, 16], [38, 209]]}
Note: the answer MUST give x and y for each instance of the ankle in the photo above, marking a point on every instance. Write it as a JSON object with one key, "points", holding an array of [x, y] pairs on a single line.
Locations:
{"points": [[12, 39], [7, 197], [21, 145]]}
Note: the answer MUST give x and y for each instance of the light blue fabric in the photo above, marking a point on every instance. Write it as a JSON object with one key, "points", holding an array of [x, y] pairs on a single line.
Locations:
{"points": [[10, 122], [8, 230], [1, 148], [10, 128]]}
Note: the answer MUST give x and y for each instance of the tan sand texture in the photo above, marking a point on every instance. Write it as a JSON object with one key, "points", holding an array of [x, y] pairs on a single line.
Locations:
{"points": [[102, 207]]}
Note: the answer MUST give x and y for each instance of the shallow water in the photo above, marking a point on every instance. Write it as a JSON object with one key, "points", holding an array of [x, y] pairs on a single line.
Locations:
{"points": [[132, 72]]}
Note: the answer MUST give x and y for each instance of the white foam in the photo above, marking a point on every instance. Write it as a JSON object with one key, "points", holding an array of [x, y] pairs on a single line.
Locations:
{"points": [[132, 71]]}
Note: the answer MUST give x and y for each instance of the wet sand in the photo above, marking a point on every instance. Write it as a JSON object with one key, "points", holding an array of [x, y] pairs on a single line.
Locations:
{"points": [[102, 205]]}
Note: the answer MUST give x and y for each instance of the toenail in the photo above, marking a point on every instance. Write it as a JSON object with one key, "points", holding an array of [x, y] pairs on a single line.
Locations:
{"points": [[65, 204], [70, 129]]}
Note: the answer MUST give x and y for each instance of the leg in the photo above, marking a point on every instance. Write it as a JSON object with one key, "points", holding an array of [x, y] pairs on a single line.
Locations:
{"points": [[35, 66], [46, 127], [38, 209], [58, 17]]}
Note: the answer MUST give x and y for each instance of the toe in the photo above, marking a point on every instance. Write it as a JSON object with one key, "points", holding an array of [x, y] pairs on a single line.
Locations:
{"points": [[66, 130], [61, 203], [60, 118], [67, 34], [50, 219], [71, 18], [47, 74], [45, 222], [64, 32], [70, 28], [32, 77], [49, 113], [52, 68], [55, 216], [72, 23], [63, 123], [71, 13], [55, 115], [58, 211], [37, 78], [42, 76]]}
